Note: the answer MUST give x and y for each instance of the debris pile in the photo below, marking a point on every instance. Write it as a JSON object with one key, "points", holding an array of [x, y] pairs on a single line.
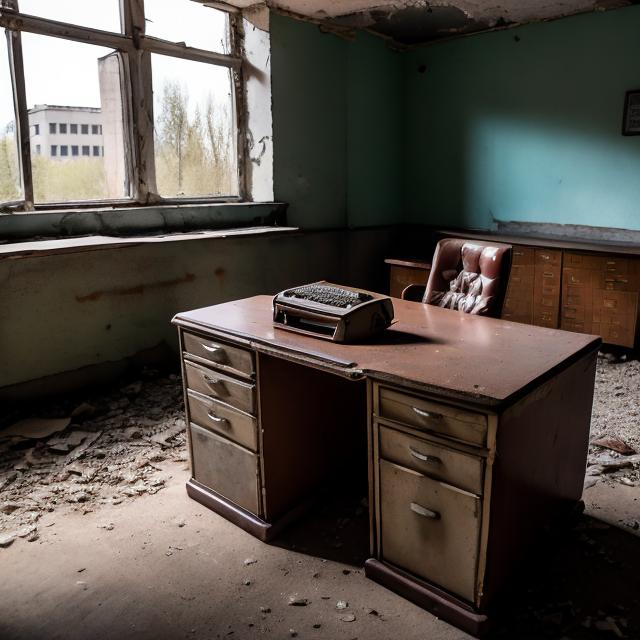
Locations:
{"points": [[101, 451], [614, 450]]}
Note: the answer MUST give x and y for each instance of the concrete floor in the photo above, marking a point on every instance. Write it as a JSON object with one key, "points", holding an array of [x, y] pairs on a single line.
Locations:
{"points": [[163, 566]]}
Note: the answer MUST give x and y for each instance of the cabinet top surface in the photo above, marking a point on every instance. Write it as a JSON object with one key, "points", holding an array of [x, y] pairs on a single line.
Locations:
{"points": [[482, 360]]}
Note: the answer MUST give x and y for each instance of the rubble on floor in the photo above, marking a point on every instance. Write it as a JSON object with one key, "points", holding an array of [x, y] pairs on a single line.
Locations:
{"points": [[614, 449], [103, 450]]}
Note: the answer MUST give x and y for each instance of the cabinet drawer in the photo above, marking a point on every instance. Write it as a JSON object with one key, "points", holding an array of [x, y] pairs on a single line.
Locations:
{"points": [[622, 334], [580, 277], [618, 281], [518, 305], [521, 272], [616, 265], [223, 419], [583, 260], [431, 416], [429, 528], [546, 319], [579, 326], [521, 255], [548, 256], [217, 385], [609, 304], [573, 313], [226, 468], [220, 354], [434, 460]]}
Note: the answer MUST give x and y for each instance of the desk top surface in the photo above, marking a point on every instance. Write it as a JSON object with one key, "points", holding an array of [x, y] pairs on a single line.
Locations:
{"points": [[472, 358]]}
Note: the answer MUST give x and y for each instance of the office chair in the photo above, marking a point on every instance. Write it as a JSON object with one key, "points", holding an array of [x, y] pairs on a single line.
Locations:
{"points": [[467, 276]]}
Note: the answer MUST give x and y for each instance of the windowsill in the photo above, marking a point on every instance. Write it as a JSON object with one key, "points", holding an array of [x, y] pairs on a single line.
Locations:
{"points": [[97, 242], [128, 225]]}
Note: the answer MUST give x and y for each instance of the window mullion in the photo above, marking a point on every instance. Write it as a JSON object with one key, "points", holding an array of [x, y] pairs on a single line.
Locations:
{"points": [[141, 100], [236, 35], [14, 41]]}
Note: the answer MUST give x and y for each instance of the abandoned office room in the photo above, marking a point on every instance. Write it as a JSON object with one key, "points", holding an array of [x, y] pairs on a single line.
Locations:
{"points": [[319, 319]]}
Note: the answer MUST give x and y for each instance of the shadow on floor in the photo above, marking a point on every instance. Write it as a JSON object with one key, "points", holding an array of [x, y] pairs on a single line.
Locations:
{"points": [[581, 583]]}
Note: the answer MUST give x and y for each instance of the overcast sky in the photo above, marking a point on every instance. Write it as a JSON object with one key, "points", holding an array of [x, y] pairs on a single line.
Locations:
{"points": [[64, 72]]}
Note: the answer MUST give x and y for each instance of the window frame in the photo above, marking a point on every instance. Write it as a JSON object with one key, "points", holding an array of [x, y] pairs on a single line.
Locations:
{"points": [[135, 49]]}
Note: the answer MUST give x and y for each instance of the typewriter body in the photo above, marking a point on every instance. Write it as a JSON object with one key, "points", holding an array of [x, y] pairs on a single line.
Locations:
{"points": [[332, 312]]}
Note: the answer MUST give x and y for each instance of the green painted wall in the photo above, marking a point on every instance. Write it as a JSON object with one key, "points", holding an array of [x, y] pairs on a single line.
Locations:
{"points": [[337, 126], [524, 125]]}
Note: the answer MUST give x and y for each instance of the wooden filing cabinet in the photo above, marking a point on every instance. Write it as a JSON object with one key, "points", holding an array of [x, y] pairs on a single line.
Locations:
{"points": [[518, 303], [600, 295], [577, 286]]}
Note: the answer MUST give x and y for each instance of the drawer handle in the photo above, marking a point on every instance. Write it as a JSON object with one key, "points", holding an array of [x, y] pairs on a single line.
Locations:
{"points": [[423, 511], [423, 457], [217, 386], [221, 422], [217, 352], [427, 414]]}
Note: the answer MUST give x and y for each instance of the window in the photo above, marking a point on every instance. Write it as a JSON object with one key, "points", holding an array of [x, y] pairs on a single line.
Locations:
{"points": [[38, 150], [36, 129], [185, 145]]}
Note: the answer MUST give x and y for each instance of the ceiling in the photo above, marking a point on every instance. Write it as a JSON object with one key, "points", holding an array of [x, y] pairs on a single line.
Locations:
{"points": [[415, 21]]}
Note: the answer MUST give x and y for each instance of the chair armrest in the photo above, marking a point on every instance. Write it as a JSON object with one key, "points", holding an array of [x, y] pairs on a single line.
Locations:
{"points": [[413, 292]]}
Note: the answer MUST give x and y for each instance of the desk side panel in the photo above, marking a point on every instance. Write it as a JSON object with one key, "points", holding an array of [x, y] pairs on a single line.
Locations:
{"points": [[538, 473]]}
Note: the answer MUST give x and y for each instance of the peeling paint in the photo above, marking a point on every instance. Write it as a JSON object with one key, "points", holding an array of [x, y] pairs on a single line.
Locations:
{"points": [[416, 21], [137, 290]]}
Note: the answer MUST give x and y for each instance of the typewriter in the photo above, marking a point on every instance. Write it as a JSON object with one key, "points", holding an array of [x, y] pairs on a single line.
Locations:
{"points": [[332, 312]]}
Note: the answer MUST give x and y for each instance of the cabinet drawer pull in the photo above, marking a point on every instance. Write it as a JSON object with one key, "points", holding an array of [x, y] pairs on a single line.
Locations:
{"points": [[221, 422], [423, 457], [423, 511], [216, 385], [217, 352], [427, 414]]}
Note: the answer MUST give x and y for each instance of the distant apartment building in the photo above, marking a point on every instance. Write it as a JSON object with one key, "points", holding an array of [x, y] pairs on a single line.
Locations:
{"points": [[66, 133]]}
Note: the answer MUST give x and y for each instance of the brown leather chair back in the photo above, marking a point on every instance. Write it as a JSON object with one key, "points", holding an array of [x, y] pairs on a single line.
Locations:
{"points": [[469, 276]]}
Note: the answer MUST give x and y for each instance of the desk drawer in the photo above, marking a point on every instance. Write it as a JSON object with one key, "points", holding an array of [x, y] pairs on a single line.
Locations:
{"points": [[223, 419], [431, 416], [226, 468], [434, 460], [429, 528], [214, 384], [220, 354]]}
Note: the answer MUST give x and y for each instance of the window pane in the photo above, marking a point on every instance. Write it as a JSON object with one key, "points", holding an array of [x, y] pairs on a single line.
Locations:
{"points": [[195, 147], [99, 14], [198, 26], [90, 95], [10, 187]]}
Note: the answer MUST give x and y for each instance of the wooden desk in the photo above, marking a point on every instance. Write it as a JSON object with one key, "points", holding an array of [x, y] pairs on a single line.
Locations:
{"points": [[476, 429]]}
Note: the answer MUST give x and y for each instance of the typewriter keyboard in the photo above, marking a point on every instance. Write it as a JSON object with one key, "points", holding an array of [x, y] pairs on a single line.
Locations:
{"points": [[327, 294]]}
